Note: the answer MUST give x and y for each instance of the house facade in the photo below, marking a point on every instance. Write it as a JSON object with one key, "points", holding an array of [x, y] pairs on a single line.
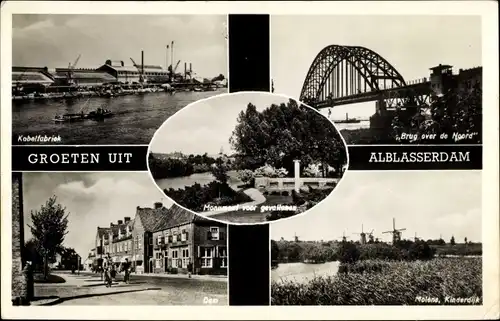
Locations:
{"points": [[184, 242], [164, 240]]}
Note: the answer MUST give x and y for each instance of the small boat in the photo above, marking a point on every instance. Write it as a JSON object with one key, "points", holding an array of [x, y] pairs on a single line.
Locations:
{"points": [[67, 118], [99, 113]]}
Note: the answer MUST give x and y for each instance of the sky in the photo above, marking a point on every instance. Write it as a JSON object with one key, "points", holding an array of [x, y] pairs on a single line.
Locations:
{"points": [[429, 203], [206, 125], [56, 40], [412, 44], [92, 200]]}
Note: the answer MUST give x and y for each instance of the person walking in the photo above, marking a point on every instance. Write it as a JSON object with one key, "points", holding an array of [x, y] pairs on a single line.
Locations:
{"points": [[126, 269]]}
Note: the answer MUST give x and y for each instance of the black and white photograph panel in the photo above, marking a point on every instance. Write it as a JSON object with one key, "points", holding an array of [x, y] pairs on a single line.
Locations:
{"points": [[385, 238], [111, 239], [399, 79], [248, 157], [110, 79]]}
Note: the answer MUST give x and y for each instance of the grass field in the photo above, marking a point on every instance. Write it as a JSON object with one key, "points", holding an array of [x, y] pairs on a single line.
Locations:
{"points": [[377, 282]]}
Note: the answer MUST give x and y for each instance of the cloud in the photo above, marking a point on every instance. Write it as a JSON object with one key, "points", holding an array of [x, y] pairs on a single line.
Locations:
{"points": [[56, 40], [427, 203], [91, 199]]}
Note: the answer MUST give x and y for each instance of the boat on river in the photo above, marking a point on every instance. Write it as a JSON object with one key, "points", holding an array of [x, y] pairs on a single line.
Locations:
{"points": [[99, 113], [348, 120], [69, 118]]}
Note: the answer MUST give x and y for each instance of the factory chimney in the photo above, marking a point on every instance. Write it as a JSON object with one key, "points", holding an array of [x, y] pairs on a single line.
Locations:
{"points": [[142, 62], [185, 71], [190, 71]]}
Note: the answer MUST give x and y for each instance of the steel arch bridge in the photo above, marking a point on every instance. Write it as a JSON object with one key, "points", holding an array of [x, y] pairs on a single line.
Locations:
{"points": [[341, 75]]}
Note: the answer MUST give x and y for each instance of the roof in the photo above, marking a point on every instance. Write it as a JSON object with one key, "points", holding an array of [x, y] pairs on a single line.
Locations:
{"points": [[122, 68], [102, 230], [176, 216], [30, 77], [103, 76], [150, 216]]}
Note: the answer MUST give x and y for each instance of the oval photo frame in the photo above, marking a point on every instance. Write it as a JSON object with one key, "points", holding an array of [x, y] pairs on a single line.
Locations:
{"points": [[247, 158]]}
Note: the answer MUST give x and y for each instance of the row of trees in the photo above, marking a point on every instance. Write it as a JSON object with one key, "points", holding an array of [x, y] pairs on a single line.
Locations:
{"points": [[216, 193], [280, 134], [287, 251], [458, 110], [177, 167]]}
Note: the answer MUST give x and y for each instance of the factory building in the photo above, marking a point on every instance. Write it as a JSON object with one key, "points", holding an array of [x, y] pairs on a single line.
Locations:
{"points": [[132, 74], [31, 77], [85, 77]]}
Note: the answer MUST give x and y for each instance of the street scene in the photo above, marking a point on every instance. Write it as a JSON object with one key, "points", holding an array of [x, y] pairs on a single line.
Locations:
{"points": [[394, 84], [71, 247], [247, 157], [414, 239], [74, 84]]}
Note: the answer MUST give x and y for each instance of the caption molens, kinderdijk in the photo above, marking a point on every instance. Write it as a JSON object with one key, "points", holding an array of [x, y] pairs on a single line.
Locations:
{"points": [[247, 157]]}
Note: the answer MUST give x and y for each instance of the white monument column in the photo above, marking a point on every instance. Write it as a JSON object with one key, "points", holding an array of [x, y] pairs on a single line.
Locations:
{"points": [[297, 175]]}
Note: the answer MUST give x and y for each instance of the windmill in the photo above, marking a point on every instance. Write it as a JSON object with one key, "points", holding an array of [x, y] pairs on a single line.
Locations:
{"points": [[396, 233], [344, 237], [70, 74], [363, 235]]}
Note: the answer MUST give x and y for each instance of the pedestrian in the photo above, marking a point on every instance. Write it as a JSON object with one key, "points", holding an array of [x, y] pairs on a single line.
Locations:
{"points": [[126, 269], [113, 272], [108, 279]]}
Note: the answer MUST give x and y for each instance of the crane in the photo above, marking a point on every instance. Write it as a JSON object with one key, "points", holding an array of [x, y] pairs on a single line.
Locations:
{"points": [[70, 73], [396, 233], [140, 67], [176, 65]]}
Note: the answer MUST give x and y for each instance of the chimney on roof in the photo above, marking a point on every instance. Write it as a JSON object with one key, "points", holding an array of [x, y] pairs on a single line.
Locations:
{"points": [[127, 219], [158, 205], [120, 222]]}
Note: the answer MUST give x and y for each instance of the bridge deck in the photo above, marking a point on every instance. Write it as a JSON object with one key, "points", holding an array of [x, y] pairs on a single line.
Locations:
{"points": [[419, 89]]}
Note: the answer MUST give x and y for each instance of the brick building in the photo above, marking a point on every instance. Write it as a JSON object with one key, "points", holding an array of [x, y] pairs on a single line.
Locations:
{"points": [[19, 280], [182, 239]]}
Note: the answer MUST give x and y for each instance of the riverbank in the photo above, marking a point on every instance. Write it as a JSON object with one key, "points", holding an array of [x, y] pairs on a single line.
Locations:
{"points": [[101, 92]]}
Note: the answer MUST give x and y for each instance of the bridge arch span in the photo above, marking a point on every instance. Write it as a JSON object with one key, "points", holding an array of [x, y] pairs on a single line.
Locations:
{"points": [[340, 71]]}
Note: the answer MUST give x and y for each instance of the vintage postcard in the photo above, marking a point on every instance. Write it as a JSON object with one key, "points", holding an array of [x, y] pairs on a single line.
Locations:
{"points": [[250, 160]]}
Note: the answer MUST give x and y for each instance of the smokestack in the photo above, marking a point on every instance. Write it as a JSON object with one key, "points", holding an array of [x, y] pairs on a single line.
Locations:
{"points": [[142, 62], [190, 71], [185, 71]]}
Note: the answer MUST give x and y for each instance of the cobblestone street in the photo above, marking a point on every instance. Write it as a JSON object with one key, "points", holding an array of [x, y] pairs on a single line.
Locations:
{"points": [[88, 289]]}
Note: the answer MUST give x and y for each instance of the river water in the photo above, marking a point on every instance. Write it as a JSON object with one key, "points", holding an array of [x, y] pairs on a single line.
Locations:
{"points": [[302, 272], [200, 178], [135, 120]]}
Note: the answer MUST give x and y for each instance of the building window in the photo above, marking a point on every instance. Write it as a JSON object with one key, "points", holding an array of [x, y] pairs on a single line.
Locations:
{"points": [[185, 258], [175, 259], [175, 237], [223, 256], [183, 236], [160, 240], [140, 241], [170, 239], [214, 233], [206, 257]]}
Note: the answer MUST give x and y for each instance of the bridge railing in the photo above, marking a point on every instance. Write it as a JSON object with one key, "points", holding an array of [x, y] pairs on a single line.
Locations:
{"points": [[417, 81]]}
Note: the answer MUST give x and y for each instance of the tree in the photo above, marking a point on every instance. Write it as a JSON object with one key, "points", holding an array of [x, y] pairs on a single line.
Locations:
{"points": [[281, 134], [49, 227], [275, 251], [219, 171], [452, 240], [465, 240]]}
